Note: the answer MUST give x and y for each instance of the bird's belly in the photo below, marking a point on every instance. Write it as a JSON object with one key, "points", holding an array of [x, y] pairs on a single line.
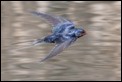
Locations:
{"points": [[62, 38]]}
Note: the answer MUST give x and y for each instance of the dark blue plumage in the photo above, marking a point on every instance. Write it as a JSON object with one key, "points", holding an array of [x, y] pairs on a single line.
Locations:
{"points": [[63, 34]]}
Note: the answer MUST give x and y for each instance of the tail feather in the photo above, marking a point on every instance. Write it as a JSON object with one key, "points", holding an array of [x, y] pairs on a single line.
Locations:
{"points": [[31, 43]]}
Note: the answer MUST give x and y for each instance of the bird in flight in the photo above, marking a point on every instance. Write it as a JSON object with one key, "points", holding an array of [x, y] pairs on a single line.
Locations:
{"points": [[64, 33]]}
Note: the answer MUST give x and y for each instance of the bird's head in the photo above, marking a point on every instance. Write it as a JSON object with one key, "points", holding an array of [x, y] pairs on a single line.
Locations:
{"points": [[80, 32]]}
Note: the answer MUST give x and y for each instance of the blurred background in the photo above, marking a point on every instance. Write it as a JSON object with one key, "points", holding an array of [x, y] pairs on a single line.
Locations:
{"points": [[93, 57]]}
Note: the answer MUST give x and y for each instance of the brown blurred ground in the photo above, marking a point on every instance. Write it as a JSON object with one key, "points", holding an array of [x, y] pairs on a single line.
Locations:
{"points": [[95, 56]]}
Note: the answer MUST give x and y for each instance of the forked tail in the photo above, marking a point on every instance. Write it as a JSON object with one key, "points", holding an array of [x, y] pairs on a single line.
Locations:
{"points": [[30, 43]]}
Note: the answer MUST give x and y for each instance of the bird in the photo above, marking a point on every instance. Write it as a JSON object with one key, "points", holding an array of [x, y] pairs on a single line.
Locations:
{"points": [[64, 33]]}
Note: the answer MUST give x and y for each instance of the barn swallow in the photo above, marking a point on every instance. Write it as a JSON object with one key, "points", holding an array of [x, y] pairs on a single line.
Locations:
{"points": [[63, 33]]}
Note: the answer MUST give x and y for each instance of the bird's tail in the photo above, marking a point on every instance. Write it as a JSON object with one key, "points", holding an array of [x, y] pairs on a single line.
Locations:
{"points": [[29, 44]]}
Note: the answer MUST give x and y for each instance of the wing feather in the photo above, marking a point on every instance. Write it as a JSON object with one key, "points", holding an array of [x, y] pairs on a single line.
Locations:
{"points": [[54, 20], [58, 48]]}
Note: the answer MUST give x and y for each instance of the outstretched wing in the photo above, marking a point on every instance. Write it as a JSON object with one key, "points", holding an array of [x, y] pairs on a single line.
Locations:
{"points": [[54, 20], [59, 48]]}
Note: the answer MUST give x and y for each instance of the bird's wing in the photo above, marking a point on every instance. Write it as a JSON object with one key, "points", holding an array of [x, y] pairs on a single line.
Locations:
{"points": [[54, 20], [59, 48]]}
